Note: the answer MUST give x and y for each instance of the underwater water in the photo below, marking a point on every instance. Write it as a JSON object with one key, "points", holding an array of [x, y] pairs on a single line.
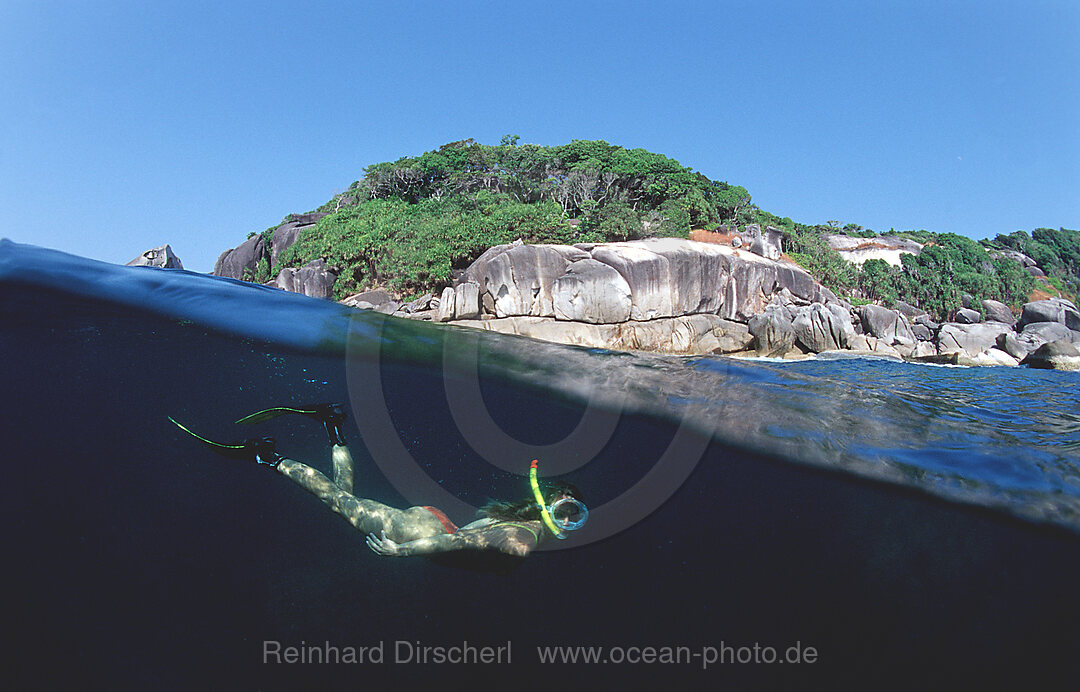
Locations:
{"points": [[910, 524]]}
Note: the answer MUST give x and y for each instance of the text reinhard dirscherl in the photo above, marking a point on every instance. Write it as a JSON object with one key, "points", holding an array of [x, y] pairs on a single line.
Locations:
{"points": [[403, 651], [400, 651]]}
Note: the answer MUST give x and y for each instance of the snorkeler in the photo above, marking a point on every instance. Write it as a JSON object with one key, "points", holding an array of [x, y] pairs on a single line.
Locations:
{"points": [[512, 528]]}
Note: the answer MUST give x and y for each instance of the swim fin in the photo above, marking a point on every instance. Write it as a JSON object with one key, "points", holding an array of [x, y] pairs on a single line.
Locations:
{"points": [[261, 450], [330, 415]]}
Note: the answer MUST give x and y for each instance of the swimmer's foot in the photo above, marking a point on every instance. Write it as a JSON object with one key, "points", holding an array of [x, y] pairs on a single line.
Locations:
{"points": [[330, 415], [261, 450]]}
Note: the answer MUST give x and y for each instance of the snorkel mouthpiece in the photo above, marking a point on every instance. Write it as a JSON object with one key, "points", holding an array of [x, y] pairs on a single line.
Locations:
{"points": [[567, 504]]}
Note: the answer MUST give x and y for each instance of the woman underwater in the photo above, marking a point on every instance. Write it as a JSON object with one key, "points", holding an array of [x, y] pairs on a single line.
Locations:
{"points": [[511, 528]]}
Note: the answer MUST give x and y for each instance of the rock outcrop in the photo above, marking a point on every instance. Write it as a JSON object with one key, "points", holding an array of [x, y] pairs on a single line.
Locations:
{"points": [[519, 278], [858, 250], [685, 297], [665, 294], [823, 328], [1056, 355], [313, 279], [1019, 257], [773, 332], [662, 277], [678, 296], [767, 245], [381, 301], [1008, 343], [591, 291], [162, 257], [991, 356], [1036, 334], [241, 262], [969, 339], [1050, 310], [684, 335], [998, 312], [461, 302], [888, 325], [967, 316]]}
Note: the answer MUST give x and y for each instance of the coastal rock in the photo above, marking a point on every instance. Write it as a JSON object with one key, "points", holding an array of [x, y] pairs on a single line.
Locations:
{"points": [[429, 315], [971, 339], [871, 345], [591, 291], [861, 342], [885, 350], [1008, 343], [726, 337], [1019, 257], [909, 311], [637, 285], [787, 308], [370, 300], [823, 328], [825, 296], [923, 350], [927, 322], [445, 311], [418, 304], [967, 316], [161, 257], [519, 277], [767, 245], [287, 233], [666, 277], [390, 309], [1056, 355], [1050, 310], [858, 250], [313, 279], [922, 332], [773, 332], [685, 335], [887, 325], [989, 357], [1036, 334], [466, 301], [241, 262], [282, 238], [998, 312]]}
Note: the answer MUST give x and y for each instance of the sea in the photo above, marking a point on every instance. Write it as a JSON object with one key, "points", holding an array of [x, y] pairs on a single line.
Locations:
{"points": [[755, 524]]}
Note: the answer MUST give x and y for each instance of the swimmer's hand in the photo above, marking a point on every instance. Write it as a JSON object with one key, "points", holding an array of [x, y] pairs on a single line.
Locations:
{"points": [[383, 545]]}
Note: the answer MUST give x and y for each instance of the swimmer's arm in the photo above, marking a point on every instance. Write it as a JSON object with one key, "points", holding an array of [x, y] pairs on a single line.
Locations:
{"points": [[496, 539], [421, 546]]}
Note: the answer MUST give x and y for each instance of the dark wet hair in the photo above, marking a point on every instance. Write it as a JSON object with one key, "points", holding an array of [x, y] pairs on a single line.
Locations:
{"points": [[526, 509]]}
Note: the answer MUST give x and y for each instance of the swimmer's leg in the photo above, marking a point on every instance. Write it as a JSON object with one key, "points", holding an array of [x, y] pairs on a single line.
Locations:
{"points": [[343, 467], [368, 516]]}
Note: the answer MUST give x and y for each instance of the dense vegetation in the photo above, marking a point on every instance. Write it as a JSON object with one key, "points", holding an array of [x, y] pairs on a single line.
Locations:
{"points": [[950, 266], [1056, 252], [408, 224], [935, 280]]}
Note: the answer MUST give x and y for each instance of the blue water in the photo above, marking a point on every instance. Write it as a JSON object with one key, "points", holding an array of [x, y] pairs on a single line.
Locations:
{"points": [[914, 523]]}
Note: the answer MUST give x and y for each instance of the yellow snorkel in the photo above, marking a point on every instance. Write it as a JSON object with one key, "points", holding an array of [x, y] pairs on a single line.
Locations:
{"points": [[544, 514], [547, 513]]}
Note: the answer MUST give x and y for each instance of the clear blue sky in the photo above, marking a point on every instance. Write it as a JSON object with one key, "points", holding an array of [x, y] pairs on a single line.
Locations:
{"points": [[126, 125]]}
